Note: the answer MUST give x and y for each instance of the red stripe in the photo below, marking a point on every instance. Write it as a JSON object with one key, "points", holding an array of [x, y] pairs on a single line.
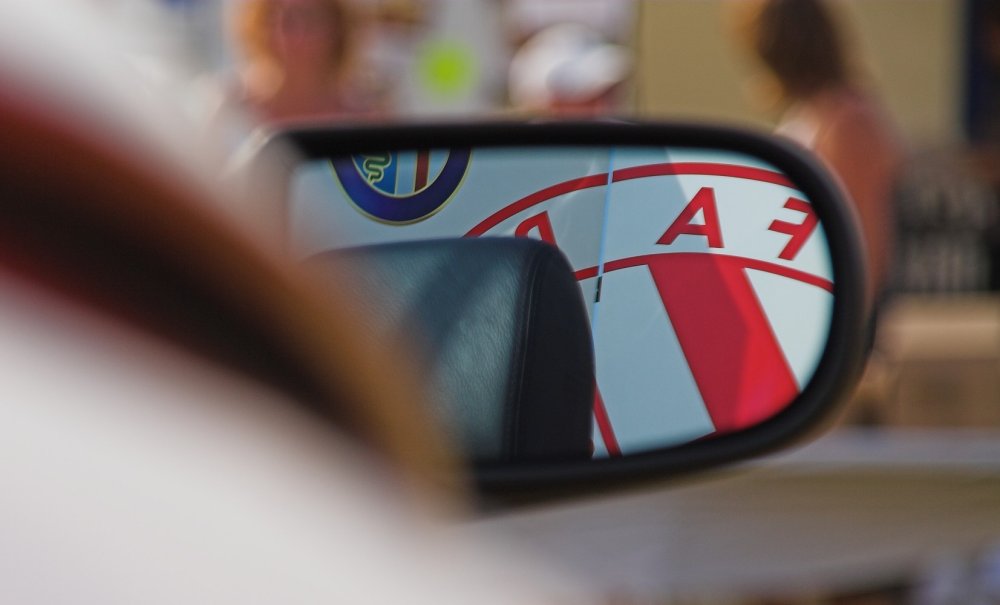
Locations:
{"points": [[703, 169], [742, 262], [733, 353], [625, 174], [423, 169], [604, 425]]}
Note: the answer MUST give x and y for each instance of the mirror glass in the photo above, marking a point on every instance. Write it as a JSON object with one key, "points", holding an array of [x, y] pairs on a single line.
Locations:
{"points": [[706, 274]]}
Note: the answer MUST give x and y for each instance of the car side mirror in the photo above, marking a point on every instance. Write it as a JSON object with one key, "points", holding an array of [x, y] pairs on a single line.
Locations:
{"points": [[721, 270]]}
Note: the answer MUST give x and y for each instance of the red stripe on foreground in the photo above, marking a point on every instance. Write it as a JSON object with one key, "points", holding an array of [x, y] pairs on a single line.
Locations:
{"points": [[732, 352], [604, 425], [626, 174]]}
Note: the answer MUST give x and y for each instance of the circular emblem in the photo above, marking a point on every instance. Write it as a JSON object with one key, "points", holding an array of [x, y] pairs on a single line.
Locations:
{"points": [[402, 187]]}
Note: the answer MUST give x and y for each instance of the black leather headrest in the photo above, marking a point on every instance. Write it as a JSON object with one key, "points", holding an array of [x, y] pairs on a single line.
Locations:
{"points": [[503, 334]]}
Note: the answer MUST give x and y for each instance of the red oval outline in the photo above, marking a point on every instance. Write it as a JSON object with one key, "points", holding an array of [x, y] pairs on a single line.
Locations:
{"points": [[745, 263], [627, 174]]}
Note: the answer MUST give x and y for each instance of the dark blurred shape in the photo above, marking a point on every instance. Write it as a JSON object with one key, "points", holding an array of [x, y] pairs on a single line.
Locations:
{"points": [[982, 81], [946, 221], [982, 122], [799, 42]]}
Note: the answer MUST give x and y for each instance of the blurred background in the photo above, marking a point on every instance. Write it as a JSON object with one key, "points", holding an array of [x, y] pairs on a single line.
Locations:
{"points": [[925, 74], [930, 67]]}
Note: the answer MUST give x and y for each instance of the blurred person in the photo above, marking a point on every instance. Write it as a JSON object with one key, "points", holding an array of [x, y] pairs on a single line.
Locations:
{"points": [[569, 70], [827, 109], [299, 56]]}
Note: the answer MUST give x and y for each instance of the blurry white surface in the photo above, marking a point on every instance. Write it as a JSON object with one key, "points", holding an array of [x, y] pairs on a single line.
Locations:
{"points": [[851, 510], [132, 474], [565, 63]]}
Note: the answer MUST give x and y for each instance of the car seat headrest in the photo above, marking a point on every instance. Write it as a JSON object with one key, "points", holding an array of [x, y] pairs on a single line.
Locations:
{"points": [[503, 336]]}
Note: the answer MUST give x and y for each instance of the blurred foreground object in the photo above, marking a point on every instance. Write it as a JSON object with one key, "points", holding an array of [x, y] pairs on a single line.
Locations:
{"points": [[185, 416]]}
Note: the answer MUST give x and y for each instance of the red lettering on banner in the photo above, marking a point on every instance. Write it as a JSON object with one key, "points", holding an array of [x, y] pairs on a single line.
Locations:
{"points": [[539, 223], [800, 232], [703, 201]]}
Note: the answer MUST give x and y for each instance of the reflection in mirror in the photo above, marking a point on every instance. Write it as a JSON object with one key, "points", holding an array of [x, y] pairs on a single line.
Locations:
{"points": [[705, 273]]}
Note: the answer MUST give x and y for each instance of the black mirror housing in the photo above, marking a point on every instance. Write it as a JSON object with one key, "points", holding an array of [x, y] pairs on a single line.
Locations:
{"points": [[724, 223]]}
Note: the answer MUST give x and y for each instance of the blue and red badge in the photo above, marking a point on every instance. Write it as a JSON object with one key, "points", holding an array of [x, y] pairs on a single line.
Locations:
{"points": [[402, 187]]}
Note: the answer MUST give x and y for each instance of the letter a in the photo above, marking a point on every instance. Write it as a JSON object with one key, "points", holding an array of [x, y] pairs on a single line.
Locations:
{"points": [[539, 223], [704, 201]]}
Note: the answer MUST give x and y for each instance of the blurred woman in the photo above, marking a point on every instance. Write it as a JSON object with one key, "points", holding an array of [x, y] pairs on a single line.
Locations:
{"points": [[298, 59], [827, 110]]}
